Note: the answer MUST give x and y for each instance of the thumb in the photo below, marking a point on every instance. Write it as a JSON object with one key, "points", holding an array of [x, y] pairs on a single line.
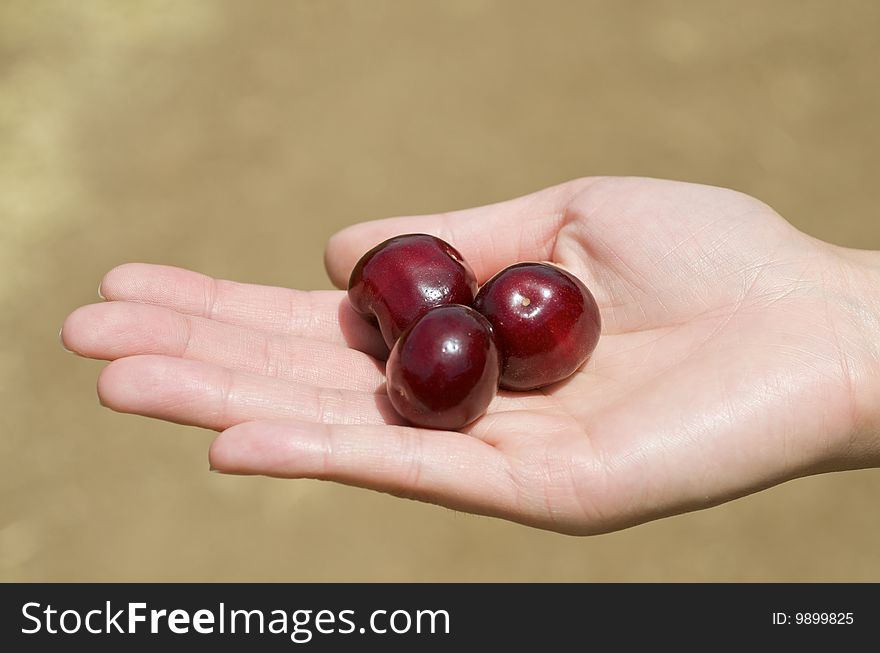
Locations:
{"points": [[488, 237]]}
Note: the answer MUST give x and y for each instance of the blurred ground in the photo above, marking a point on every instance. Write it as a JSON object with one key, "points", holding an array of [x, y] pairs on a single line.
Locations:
{"points": [[234, 137]]}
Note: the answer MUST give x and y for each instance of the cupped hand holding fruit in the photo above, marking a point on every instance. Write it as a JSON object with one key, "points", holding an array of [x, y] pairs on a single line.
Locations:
{"points": [[736, 353]]}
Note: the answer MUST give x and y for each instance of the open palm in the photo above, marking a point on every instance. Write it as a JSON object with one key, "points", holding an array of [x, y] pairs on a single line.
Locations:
{"points": [[731, 359]]}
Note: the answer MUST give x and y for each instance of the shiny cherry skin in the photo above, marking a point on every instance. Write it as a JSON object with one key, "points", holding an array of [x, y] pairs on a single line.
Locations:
{"points": [[399, 280], [443, 371], [545, 321]]}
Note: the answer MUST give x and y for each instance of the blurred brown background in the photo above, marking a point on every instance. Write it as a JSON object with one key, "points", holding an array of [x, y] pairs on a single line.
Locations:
{"points": [[235, 137]]}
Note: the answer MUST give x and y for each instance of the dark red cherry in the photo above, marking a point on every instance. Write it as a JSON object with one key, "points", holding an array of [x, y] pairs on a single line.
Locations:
{"points": [[444, 369], [398, 280], [545, 321]]}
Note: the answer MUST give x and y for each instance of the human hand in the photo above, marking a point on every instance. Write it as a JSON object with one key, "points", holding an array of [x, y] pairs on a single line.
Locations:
{"points": [[737, 353]]}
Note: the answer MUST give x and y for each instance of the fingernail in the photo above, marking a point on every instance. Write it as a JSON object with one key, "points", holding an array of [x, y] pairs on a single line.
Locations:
{"points": [[61, 340], [99, 291]]}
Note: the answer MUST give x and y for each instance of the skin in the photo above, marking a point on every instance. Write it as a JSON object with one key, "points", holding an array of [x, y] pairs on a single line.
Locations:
{"points": [[736, 353]]}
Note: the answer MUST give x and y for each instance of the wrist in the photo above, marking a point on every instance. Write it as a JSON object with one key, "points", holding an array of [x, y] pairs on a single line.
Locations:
{"points": [[860, 306]]}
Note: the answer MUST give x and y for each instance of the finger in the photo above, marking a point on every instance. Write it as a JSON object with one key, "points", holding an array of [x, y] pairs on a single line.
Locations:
{"points": [[489, 237], [206, 395], [324, 315], [447, 468], [119, 329]]}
